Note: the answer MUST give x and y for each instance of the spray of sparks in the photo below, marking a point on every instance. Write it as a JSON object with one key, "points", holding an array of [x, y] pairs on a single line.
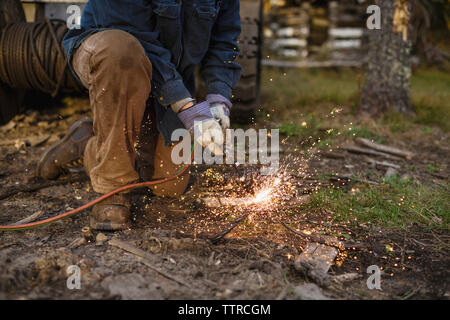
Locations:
{"points": [[266, 199], [226, 192]]}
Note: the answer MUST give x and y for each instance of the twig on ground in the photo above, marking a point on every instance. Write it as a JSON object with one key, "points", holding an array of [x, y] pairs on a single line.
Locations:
{"points": [[28, 219], [439, 239], [386, 149], [144, 258], [421, 243], [414, 292], [382, 163]]}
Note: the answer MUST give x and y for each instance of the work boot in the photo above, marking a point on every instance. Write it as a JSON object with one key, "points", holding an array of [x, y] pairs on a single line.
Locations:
{"points": [[112, 213], [66, 153]]}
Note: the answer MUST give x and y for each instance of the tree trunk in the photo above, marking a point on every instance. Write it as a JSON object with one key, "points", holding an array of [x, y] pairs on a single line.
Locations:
{"points": [[388, 75]]}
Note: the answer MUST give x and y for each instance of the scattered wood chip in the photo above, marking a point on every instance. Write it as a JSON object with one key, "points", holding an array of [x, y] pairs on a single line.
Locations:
{"points": [[315, 261], [383, 148], [317, 257]]}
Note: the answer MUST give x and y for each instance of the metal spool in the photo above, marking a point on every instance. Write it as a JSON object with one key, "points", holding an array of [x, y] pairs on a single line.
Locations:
{"points": [[31, 58], [11, 99]]}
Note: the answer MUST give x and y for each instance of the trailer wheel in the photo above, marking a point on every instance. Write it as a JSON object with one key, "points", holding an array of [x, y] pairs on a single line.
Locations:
{"points": [[11, 100], [246, 93]]}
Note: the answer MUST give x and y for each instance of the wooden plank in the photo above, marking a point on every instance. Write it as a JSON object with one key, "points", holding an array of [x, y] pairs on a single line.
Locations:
{"points": [[387, 149]]}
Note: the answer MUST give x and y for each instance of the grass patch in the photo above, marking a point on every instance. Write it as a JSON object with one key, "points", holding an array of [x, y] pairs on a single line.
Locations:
{"points": [[313, 127], [364, 132], [395, 203], [430, 94], [305, 90], [309, 127]]}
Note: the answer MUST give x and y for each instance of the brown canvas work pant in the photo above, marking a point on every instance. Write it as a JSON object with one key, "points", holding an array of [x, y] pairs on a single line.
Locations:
{"points": [[113, 66]]}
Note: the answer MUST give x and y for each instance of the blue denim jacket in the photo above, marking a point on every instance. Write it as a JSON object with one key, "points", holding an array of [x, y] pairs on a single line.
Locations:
{"points": [[177, 35]]}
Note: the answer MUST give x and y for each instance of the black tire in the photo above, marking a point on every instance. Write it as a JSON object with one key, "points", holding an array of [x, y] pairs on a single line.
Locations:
{"points": [[247, 92], [11, 100]]}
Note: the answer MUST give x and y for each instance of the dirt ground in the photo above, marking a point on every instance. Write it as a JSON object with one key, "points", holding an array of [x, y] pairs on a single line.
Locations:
{"points": [[252, 262]]}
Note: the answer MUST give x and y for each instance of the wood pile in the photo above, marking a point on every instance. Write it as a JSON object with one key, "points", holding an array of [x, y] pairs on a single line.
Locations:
{"points": [[306, 31], [347, 30], [288, 31]]}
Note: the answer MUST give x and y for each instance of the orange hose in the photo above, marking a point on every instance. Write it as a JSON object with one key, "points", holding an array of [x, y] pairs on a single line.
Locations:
{"points": [[93, 202]]}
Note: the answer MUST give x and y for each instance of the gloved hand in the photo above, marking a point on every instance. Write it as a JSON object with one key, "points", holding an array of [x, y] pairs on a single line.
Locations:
{"points": [[220, 109], [207, 131]]}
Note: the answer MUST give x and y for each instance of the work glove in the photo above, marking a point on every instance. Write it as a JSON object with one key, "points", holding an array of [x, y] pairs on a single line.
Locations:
{"points": [[207, 131], [220, 109]]}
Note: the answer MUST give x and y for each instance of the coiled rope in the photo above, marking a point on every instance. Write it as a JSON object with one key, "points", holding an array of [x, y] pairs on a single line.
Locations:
{"points": [[32, 57]]}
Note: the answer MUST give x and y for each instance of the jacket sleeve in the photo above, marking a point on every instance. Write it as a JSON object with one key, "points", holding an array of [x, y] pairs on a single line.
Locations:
{"points": [[167, 84], [133, 16], [219, 70]]}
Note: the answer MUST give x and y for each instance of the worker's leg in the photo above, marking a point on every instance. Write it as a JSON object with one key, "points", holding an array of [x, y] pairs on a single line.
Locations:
{"points": [[164, 167], [154, 159], [114, 67]]}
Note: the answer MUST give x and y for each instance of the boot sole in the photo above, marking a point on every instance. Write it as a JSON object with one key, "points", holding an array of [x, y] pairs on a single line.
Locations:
{"points": [[68, 135]]}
